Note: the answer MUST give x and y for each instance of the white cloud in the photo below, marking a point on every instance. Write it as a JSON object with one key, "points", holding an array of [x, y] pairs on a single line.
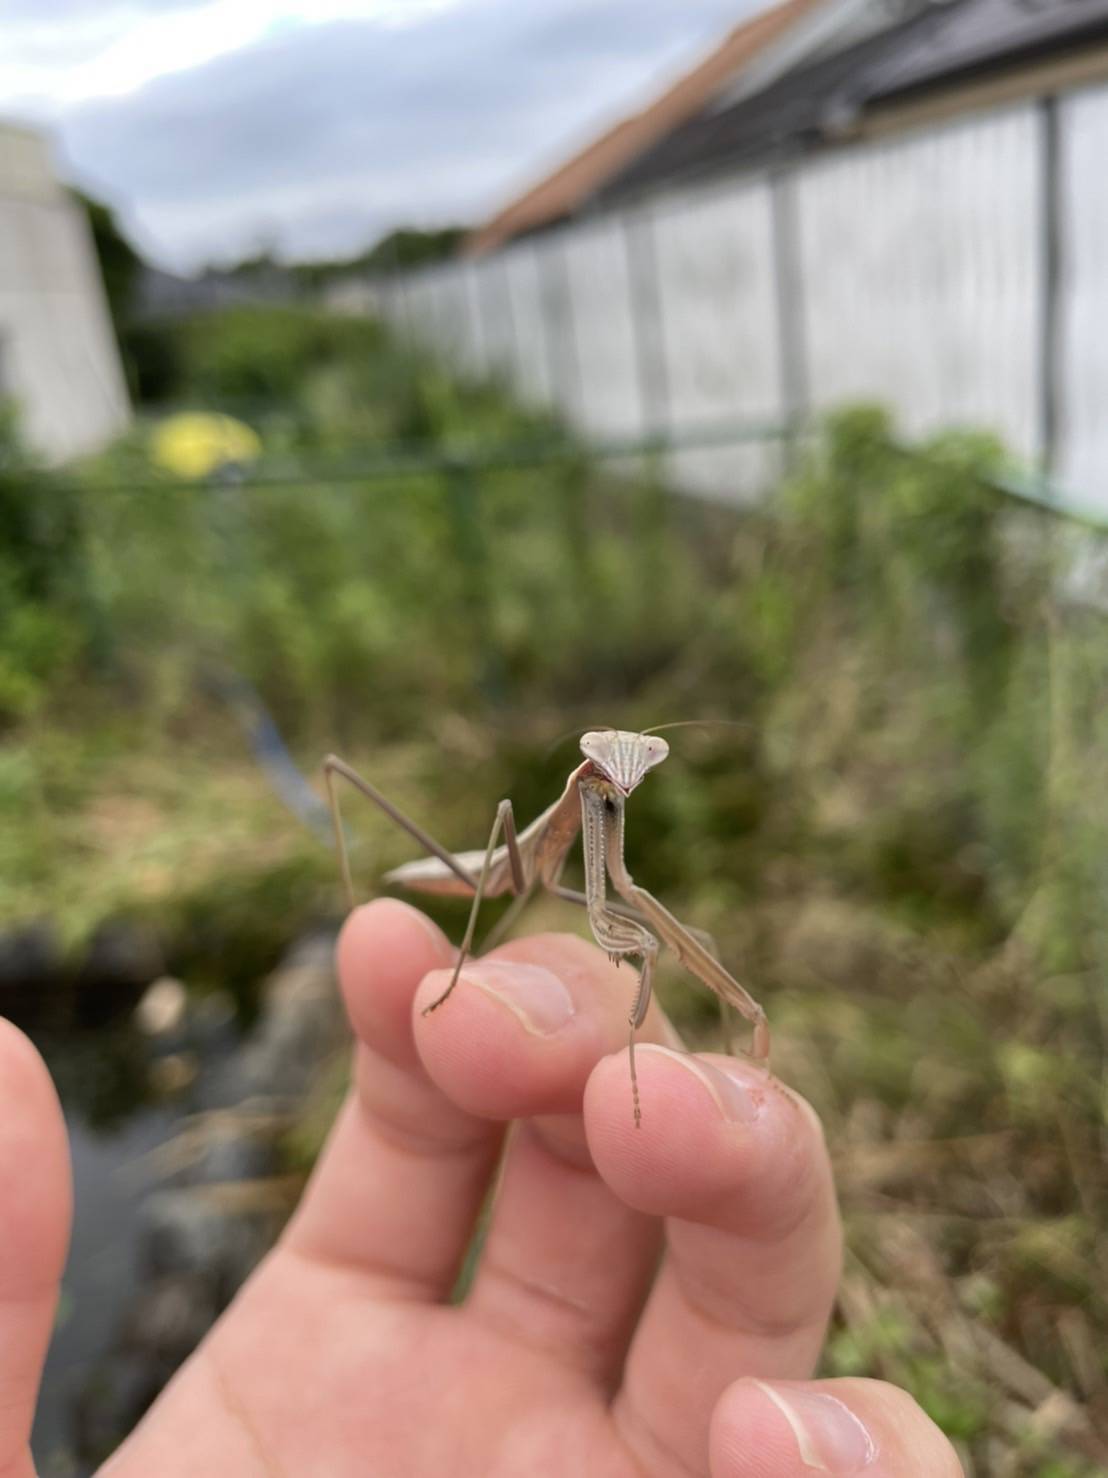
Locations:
{"points": [[317, 126], [115, 49]]}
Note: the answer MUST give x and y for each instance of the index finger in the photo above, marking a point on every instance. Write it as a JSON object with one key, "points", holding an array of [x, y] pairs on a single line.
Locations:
{"points": [[738, 1166]]}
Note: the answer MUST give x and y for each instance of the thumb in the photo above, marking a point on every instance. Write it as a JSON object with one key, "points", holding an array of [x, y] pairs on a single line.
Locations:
{"points": [[792, 1429], [35, 1209]]}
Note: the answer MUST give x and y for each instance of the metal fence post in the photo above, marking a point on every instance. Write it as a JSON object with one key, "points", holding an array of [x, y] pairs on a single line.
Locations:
{"points": [[515, 345], [479, 349], [1052, 265], [647, 326], [541, 329], [560, 330], [789, 293]]}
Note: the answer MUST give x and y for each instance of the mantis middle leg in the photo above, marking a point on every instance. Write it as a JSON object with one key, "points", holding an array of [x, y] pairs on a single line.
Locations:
{"points": [[504, 821], [519, 881]]}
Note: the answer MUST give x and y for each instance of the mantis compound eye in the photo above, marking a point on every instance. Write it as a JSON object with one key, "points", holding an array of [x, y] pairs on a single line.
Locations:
{"points": [[656, 750]]}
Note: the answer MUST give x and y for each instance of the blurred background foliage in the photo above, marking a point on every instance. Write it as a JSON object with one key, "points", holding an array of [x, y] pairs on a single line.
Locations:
{"points": [[899, 836]]}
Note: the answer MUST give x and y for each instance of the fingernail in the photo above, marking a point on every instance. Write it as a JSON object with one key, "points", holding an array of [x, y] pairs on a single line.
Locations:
{"points": [[429, 927], [830, 1438], [535, 995], [730, 1094]]}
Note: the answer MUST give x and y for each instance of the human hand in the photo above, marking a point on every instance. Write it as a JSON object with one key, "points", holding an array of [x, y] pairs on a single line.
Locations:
{"points": [[575, 1354]]}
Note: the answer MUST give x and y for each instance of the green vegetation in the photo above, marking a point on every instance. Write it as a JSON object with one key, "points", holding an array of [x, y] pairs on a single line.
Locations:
{"points": [[899, 839], [120, 264], [397, 252]]}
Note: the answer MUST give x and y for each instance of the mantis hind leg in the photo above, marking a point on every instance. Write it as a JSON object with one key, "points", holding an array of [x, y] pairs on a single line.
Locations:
{"points": [[333, 766]]}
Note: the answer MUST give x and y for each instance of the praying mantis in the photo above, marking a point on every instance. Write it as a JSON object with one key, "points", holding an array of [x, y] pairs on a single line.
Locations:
{"points": [[593, 803]]}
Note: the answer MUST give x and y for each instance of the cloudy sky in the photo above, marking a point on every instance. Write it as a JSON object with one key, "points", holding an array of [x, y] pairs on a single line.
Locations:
{"points": [[217, 127]]}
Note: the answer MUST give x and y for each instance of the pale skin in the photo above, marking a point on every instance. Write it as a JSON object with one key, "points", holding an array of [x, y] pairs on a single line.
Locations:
{"points": [[639, 1311]]}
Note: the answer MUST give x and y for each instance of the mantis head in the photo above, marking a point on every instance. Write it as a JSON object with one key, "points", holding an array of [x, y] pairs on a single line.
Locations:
{"points": [[621, 757]]}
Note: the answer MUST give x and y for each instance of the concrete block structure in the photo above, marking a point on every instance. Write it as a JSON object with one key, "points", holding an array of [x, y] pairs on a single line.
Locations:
{"points": [[59, 361]]}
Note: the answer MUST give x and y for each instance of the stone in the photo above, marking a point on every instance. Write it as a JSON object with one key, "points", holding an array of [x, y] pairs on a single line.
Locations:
{"points": [[173, 1074], [162, 1007], [170, 1317], [122, 958], [301, 1024], [235, 1150], [113, 1399], [32, 971], [217, 1233]]}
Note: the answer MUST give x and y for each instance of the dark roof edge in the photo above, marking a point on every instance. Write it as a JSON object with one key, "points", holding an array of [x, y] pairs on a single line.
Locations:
{"points": [[980, 68]]}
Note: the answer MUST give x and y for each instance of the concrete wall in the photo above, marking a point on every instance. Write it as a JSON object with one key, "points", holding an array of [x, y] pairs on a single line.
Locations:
{"points": [[58, 356]]}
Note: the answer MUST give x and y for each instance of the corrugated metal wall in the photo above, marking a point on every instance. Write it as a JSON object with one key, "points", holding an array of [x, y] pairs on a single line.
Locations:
{"points": [[1083, 442], [921, 277], [916, 272]]}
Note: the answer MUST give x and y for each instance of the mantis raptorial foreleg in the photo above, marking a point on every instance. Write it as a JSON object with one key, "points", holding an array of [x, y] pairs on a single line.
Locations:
{"points": [[602, 812], [615, 931], [689, 950], [571, 895]]}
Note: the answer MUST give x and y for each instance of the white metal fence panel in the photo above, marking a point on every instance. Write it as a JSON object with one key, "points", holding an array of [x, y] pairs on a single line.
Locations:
{"points": [[451, 316], [559, 325], [922, 276], [403, 310], [494, 307], [531, 353], [714, 256], [417, 304], [473, 356], [1083, 449], [599, 289], [921, 282]]}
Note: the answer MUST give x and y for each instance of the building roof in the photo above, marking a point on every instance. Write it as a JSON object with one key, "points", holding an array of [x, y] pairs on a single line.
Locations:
{"points": [[582, 176], [982, 35], [949, 41]]}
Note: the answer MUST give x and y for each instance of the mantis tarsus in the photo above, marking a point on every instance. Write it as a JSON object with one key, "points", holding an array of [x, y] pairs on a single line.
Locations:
{"points": [[593, 802]]}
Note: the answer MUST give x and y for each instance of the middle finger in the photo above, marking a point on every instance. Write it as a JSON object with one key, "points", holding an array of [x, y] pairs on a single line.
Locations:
{"points": [[566, 1262], [737, 1165]]}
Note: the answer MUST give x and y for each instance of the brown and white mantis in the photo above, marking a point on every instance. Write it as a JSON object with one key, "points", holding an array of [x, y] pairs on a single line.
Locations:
{"points": [[593, 801]]}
